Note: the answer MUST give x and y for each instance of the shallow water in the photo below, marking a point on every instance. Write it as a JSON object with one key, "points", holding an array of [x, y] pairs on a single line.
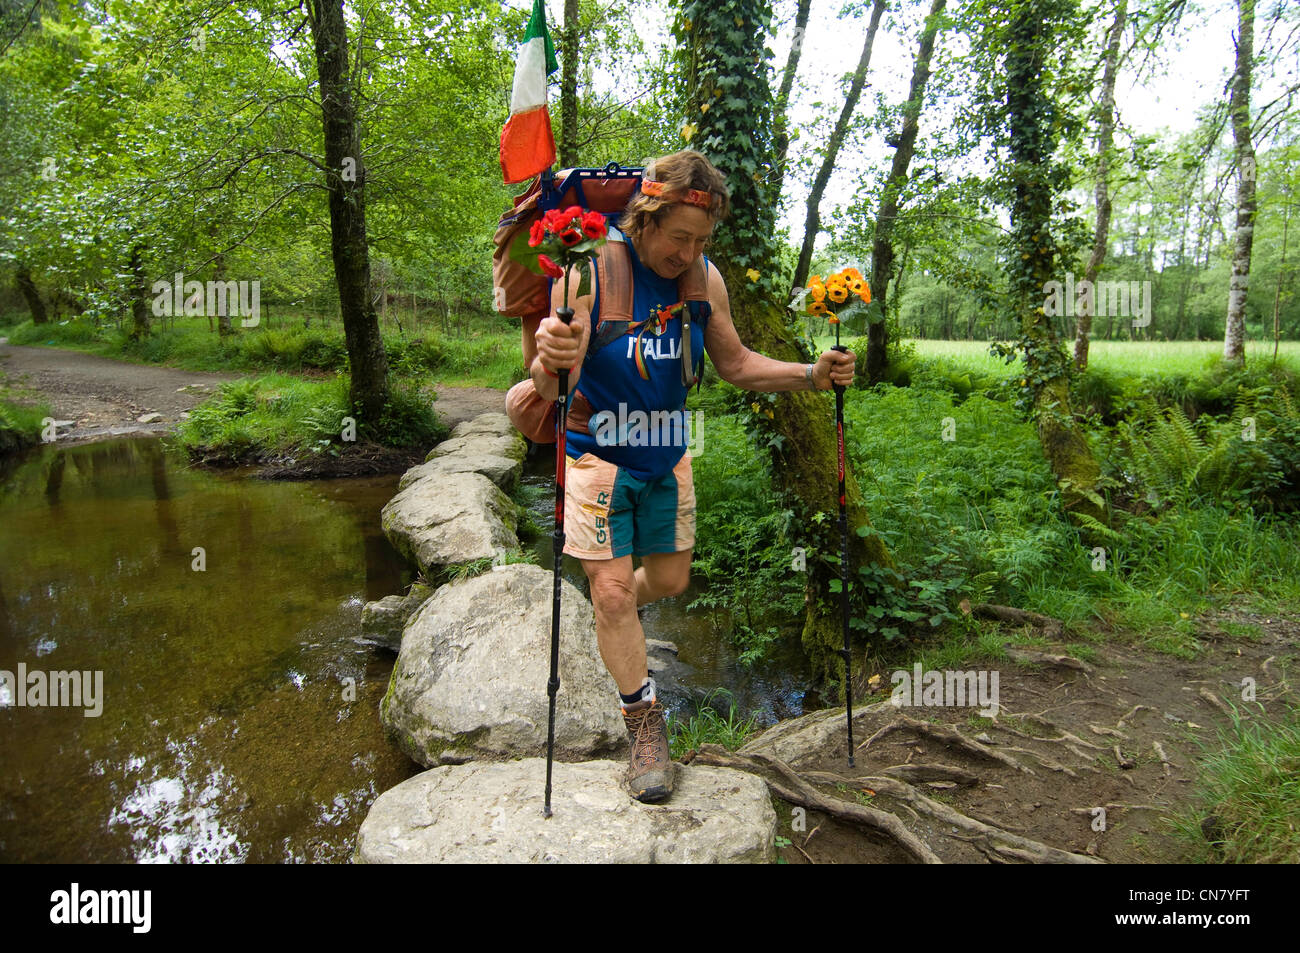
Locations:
{"points": [[771, 690], [239, 710], [238, 717]]}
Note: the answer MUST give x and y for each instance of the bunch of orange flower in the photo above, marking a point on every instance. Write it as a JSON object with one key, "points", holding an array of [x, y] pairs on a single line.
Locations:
{"points": [[830, 295]]}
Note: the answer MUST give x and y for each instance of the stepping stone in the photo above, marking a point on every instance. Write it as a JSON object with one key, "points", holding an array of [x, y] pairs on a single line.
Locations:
{"points": [[492, 813]]}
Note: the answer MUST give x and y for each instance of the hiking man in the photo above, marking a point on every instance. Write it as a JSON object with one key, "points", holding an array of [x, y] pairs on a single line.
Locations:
{"points": [[630, 493]]}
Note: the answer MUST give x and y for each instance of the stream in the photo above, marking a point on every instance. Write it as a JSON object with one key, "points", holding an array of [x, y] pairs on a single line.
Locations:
{"points": [[218, 703]]}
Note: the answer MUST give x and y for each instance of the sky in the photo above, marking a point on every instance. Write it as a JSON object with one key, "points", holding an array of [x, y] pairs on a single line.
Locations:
{"points": [[1198, 60]]}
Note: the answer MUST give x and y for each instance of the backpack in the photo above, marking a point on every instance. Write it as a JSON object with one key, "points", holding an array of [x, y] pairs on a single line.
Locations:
{"points": [[520, 293]]}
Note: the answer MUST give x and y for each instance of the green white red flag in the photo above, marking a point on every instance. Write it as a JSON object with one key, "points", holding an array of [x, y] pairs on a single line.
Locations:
{"points": [[527, 143]]}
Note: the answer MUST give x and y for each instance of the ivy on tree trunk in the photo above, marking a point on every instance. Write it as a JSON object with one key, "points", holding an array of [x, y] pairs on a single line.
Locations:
{"points": [[1234, 348]]}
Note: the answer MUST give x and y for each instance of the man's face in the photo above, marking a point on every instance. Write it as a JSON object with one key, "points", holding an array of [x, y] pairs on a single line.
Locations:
{"points": [[669, 246]]}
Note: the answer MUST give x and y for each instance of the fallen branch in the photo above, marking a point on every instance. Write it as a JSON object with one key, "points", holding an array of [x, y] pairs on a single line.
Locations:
{"points": [[987, 610]]}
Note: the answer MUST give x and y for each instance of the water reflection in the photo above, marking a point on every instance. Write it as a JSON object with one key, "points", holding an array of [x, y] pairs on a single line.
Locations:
{"points": [[240, 708]]}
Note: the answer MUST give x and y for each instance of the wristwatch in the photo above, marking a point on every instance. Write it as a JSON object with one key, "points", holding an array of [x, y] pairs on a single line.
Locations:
{"points": [[812, 385]]}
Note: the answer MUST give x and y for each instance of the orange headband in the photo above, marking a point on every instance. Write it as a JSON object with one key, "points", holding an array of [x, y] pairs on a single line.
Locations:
{"points": [[695, 197]]}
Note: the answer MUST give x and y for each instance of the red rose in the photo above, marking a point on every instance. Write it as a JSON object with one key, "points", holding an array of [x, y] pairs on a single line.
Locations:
{"points": [[593, 225], [537, 233], [550, 267]]}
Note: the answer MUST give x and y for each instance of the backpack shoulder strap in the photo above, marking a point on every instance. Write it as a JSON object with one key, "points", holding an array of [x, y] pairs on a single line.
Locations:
{"points": [[613, 292]]}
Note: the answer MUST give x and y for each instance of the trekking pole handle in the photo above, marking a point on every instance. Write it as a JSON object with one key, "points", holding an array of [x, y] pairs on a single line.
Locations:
{"points": [[843, 350]]}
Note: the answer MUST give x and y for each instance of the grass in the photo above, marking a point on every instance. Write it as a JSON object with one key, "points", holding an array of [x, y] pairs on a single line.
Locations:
{"points": [[21, 420], [489, 357], [1250, 787], [280, 414], [709, 726], [1127, 358]]}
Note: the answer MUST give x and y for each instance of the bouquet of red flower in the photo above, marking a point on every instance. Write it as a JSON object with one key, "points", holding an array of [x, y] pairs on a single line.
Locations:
{"points": [[560, 239]]}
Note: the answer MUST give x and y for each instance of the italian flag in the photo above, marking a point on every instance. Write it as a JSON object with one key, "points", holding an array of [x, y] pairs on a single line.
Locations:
{"points": [[527, 144]]}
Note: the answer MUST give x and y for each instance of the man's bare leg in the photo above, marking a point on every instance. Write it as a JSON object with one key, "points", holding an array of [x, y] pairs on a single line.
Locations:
{"points": [[618, 630], [661, 575]]}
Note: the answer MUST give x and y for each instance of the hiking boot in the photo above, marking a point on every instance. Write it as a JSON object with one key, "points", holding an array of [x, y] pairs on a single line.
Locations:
{"points": [[650, 774]]}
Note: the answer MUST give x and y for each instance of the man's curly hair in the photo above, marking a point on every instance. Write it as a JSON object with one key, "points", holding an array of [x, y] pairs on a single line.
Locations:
{"points": [[679, 173]]}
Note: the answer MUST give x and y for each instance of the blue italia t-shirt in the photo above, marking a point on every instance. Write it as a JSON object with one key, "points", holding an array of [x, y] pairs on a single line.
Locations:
{"points": [[639, 425]]}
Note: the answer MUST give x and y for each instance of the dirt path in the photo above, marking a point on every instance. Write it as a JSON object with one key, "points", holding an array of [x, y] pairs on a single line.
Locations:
{"points": [[103, 398]]}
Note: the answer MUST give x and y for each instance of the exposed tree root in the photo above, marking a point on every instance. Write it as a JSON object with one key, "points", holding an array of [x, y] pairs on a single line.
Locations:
{"points": [[920, 773], [1047, 762], [1030, 657], [1164, 758], [990, 836], [1069, 740], [1119, 725], [947, 735], [1214, 700], [996, 842], [789, 786]]}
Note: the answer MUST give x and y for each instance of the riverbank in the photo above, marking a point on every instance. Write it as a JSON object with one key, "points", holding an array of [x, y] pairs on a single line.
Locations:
{"points": [[93, 398]]}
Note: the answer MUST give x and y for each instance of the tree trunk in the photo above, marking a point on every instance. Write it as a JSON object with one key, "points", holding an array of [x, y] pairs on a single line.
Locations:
{"points": [[882, 249], [569, 88], [1031, 146], [30, 292], [812, 222], [346, 182], [1234, 347], [1277, 292], [1105, 141], [223, 316], [140, 302], [780, 121]]}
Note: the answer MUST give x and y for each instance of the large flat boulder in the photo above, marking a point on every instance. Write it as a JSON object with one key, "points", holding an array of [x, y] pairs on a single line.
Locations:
{"points": [[492, 813], [470, 679], [490, 423], [502, 470], [448, 519]]}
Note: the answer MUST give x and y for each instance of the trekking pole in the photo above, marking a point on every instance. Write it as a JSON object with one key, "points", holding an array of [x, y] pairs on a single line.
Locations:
{"points": [[844, 549], [565, 314]]}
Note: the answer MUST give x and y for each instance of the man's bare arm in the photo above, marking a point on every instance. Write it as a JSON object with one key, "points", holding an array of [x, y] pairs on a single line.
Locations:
{"points": [[750, 370]]}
